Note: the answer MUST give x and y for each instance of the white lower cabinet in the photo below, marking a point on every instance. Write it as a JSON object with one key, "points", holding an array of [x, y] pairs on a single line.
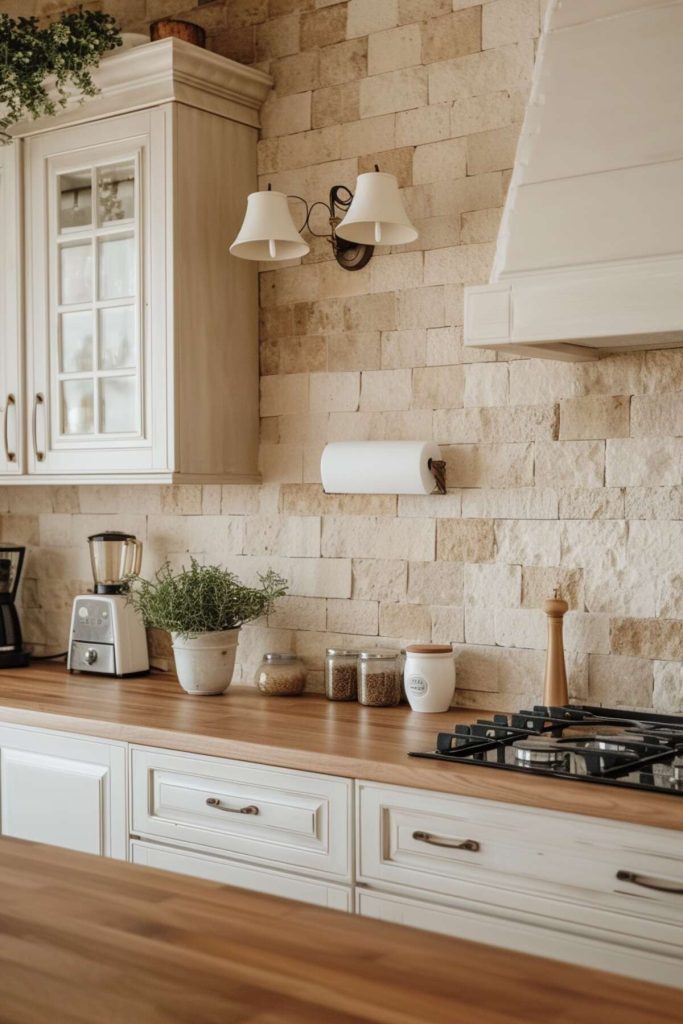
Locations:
{"points": [[524, 878], [63, 790], [246, 876]]}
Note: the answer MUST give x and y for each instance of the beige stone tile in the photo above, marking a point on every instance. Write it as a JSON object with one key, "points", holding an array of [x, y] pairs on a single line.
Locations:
{"points": [[599, 545], [499, 465], [420, 307], [288, 536], [336, 104], [627, 591], [469, 264], [480, 226], [667, 695], [365, 17], [344, 62], [281, 463], [486, 384], [211, 499], [385, 389], [520, 627], [398, 162], [240, 499], [448, 624], [181, 500], [523, 543], [286, 114], [594, 416], [554, 380], [282, 394], [540, 582], [620, 681], [493, 586], [483, 112], [657, 415], [670, 596], [395, 90], [396, 271], [510, 503], [297, 73], [426, 124], [638, 462], [438, 387], [325, 577], [648, 638], [323, 27], [310, 500], [421, 10], [512, 424], [436, 232], [277, 37], [570, 463], [334, 392], [379, 579], [504, 69], [592, 503], [353, 351], [656, 546], [509, 21], [451, 35], [492, 151], [440, 161], [438, 506], [353, 617], [393, 49], [654, 502], [404, 349], [371, 312], [410, 622], [465, 540], [587, 633], [299, 613], [436, 583], [403, 425], [370, 537], [303, 354], [371, 135]]}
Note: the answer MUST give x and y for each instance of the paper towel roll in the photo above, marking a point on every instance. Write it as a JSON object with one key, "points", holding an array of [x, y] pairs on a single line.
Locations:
{"points": [[378, 467]]}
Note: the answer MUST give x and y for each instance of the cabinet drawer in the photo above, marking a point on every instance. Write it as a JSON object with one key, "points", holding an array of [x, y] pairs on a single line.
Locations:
{"points": [[457, 846], [269, 815], [246, 876], [523, 934]]}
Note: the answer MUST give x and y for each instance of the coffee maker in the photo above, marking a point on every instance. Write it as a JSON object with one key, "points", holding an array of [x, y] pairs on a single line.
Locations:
{"points": [[12, 653], [107, 634]]}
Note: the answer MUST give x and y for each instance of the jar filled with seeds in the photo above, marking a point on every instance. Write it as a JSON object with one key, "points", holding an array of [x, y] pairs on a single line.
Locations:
{"points": [[341, 674], [281, 675], [379, 679]]}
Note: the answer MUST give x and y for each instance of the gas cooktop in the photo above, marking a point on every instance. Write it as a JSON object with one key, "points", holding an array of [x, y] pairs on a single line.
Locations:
{"points": [[635, 749]]}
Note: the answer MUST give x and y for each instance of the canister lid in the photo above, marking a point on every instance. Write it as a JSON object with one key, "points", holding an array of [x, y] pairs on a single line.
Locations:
{"points": [[275, 657], [429, 649], [340, 652], [377, 655]]}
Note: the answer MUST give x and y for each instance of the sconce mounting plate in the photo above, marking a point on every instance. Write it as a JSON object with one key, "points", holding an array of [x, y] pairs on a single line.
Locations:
{"points": [[351, 255]]}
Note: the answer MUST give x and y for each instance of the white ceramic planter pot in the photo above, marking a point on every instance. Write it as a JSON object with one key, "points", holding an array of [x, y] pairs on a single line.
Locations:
{"points": [[205, 662]]}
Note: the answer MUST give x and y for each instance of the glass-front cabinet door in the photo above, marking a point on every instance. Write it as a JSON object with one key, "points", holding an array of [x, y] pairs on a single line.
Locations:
{"points": [[11, 320], [97, 338]]}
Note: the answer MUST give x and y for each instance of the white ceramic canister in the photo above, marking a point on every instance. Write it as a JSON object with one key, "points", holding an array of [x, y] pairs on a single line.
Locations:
{"points": [[429, 676]]}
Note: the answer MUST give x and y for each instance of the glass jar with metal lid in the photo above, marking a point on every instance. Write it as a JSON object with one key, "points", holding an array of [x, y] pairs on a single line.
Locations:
{"points": [[281, 675], [341, 674], [379, 679]]}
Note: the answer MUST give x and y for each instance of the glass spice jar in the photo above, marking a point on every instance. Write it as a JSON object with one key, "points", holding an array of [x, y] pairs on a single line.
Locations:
{"points": [[281, 675], [379, 679], [341, 674]]}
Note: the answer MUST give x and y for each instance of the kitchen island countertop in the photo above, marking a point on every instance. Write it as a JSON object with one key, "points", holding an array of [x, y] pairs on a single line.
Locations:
{"points": [[85, 938], [307, 733]]}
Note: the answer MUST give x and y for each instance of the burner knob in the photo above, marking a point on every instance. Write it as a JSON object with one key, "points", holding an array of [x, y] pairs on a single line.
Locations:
{"points": [[90, 656]]}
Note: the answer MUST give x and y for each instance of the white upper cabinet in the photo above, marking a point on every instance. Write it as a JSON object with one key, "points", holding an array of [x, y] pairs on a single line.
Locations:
{"points": [[141, 330], [11, 393]]}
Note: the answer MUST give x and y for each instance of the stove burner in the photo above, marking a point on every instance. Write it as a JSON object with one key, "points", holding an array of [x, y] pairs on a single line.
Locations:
{"points": [[640, 750]]}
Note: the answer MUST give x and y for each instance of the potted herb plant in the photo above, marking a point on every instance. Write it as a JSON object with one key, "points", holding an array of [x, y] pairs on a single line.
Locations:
{"points": [[203, 608], [38, 65]]}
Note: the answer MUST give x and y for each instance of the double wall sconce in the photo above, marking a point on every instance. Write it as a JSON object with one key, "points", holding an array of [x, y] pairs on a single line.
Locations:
{"points": [[375, 215]]}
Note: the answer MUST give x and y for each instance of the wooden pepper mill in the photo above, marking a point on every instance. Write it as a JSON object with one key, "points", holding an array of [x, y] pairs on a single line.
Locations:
{"points": [[555, 686]]}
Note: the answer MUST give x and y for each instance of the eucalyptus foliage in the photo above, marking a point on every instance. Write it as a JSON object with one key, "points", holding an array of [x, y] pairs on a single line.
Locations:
{"points": [[202, 599], [58, 57]]}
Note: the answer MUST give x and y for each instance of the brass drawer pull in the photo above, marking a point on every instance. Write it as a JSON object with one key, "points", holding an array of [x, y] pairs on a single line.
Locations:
{"points": [[454, 844], [213, 801], [648, 882], [11, 402]]}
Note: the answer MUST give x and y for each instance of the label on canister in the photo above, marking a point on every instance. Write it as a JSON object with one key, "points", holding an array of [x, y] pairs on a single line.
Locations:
{"points": [[417, 685]]}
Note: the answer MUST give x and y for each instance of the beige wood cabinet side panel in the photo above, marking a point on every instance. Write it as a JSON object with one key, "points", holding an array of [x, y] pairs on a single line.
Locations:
{"points": [[216, 298], [11, 313]]}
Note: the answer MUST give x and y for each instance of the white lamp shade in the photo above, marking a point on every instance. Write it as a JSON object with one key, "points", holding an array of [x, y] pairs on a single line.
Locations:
{"points": [[268, 232], [377, 215]]}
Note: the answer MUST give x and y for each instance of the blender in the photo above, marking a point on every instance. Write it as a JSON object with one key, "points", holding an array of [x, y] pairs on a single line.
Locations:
{"points": [[107, 634]]}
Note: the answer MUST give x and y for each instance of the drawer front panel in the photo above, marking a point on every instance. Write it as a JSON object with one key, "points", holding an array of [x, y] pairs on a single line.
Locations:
{"points": [[273, 816], [246, 876], [445, 844], [523, 935]]}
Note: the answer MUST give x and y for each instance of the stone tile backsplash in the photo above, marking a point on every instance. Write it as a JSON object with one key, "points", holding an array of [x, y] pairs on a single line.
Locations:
{"points": [[560, 474]]}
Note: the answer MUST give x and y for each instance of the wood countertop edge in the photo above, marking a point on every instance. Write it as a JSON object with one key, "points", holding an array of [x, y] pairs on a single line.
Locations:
{"points": [[557, 795]]}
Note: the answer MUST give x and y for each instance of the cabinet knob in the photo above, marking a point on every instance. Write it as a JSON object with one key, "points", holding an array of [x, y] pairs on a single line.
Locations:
{"points": [[90, 656]]}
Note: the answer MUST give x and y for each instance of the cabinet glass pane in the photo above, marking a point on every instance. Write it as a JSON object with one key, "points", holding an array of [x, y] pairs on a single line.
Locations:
{"points": [[115, 193], [77, 342], [78, 407], [74, 193], [75, 273], [117, 268], [118, 414], [117, 338]]}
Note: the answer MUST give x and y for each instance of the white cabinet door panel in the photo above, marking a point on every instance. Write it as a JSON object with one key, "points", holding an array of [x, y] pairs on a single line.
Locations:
{"points": [[63, 790], [11, 319], [246, 876]]}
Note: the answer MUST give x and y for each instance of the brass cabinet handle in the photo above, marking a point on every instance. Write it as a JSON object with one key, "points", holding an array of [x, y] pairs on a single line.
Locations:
{"points": [[39, 400], [213, 801], [648, 882], [11, 401], [451, 844]]}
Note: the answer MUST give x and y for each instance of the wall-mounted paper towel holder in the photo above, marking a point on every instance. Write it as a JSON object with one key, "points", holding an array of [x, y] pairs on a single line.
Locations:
{"points": [[383, 467]]}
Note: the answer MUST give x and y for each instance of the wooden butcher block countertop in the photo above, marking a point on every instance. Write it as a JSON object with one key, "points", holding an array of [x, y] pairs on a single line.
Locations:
{"points": [[307, 733], [88, 940]]}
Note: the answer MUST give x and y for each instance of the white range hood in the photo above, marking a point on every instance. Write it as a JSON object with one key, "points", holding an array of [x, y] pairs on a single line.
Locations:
{"points": [[589, 257]]}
